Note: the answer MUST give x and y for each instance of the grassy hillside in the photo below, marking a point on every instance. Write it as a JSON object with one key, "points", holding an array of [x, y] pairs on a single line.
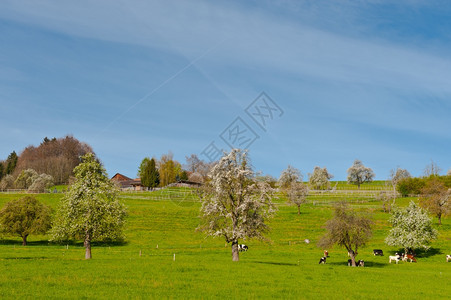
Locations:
{"points": [[285, 267]]}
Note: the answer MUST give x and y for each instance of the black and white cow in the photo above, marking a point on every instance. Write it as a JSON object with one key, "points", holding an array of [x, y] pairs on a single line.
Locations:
{"points": [[448, 258], [378, 252], [322, 260], [359, 263], [242, 247]]}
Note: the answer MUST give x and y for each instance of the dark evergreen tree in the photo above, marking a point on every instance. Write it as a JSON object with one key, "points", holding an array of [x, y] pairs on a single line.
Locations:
{"points": [[2, 170], [148, 173], [154, 174], [11, 162]]}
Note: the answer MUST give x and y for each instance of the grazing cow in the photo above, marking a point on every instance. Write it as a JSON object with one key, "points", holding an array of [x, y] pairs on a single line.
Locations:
{"points": [[448, 258], [326, 253], [242, 247], [322, 260], [409, 256], [396, 258], [378, 252], [359, 263]]}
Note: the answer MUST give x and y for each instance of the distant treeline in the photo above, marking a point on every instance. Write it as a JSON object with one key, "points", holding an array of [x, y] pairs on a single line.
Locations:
{"points": [[56, 157], [415, 185]]}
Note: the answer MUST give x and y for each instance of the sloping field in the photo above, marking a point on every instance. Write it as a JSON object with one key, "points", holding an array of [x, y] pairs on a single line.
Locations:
{"points": [[163, 223]]}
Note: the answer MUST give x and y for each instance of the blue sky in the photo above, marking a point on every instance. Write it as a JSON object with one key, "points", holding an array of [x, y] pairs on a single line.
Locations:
{"points": [[366, 80]]}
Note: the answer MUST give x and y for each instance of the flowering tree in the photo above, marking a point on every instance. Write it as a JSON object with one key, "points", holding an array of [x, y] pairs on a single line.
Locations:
{"points": [[398, 175], [320, 177], [288, 176], [234, 205], [358, 173], [411, 228], [297, 194], [90, 210]]}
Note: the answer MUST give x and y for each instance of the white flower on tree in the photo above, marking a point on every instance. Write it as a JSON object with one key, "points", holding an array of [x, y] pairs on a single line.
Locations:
{"points": [[358, 173], [411, 228], [320, 177], [90, 210], [234, 205], [288, 176]]}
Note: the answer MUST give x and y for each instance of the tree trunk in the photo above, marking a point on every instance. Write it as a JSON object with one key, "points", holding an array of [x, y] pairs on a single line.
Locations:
{"points": [[352, 255], [87, 244], [299, 209], [235, 252], [439, 219], [24, 240]]}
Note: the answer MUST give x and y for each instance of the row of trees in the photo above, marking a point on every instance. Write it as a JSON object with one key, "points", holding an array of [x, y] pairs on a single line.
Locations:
{"points": [[166, 170], [8, 166], [56, 157], [236, 206], [27, 179], [90, 210], [411, 229]]}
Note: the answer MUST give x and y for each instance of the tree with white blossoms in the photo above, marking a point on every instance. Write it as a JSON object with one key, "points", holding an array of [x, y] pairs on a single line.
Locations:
{"points": [[290, 183], [297, 194], [90, 210], [320, 177], [411, 228], [358, 173], [41, 183], [234, 205], [288, 176], [397, 175]]}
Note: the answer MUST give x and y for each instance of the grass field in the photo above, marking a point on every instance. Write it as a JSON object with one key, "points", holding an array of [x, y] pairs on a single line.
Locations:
{"points": [[161, 224]]}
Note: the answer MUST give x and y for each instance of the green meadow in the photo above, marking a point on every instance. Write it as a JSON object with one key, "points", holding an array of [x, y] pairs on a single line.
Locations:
{"points": [[164, 256]]}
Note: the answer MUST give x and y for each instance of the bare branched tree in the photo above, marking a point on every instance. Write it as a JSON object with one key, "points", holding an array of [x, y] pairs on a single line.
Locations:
{"points": [[436, 198], [348, 230], [432, 169]]}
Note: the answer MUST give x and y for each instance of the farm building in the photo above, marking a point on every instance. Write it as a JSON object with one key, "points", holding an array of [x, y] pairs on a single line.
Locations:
{"points": [[126, 183]]}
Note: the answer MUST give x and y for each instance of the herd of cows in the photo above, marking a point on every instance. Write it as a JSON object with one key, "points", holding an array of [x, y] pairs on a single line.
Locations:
{"points": [[378, 252], [360, 263]]}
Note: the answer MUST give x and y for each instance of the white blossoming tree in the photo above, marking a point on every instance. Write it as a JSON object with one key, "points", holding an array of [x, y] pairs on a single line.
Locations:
{"points": [[297, 194], [288, 176], [411, 228], [291, 185], [320, 177], [358, 173], [90, 210], [234, 205]]}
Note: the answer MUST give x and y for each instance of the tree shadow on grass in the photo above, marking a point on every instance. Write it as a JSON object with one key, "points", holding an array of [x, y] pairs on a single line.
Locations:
{"points": [[368, 264], [274, 263], [29, 243], [93, 244], [64, 243], [26, 258], [421, 253]]}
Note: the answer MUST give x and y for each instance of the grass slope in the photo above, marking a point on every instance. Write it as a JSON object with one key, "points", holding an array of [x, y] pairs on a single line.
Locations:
{"points": [[286, 267]]}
